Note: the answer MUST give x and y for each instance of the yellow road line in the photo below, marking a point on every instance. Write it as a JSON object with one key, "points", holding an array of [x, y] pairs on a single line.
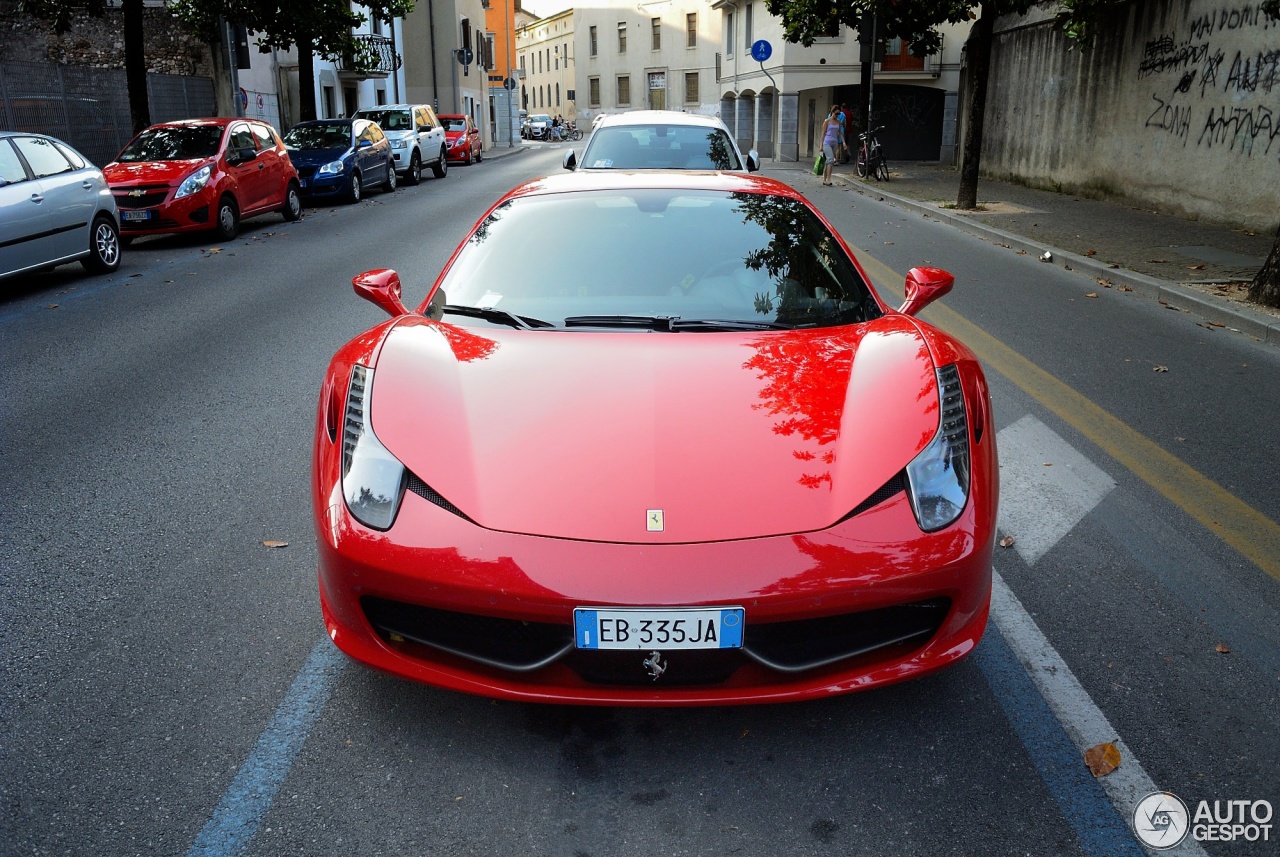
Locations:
{"points": [[1245, 529]]}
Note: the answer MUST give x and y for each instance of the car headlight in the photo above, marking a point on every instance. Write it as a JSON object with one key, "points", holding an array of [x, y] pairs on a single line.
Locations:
{"points": [[938, 478], [331, 169], [373, 481], [195, 182], [399, 144]]}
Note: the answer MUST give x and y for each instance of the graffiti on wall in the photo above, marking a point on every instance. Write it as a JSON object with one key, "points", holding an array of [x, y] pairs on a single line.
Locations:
{"points": [[1209, 93]]}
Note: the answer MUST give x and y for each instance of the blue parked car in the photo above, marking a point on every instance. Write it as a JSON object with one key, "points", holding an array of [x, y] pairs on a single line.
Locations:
{"points": [[340, 157]]}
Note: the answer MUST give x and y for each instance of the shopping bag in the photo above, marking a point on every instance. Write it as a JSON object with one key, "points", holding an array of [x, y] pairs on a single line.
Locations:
{"points": [[819, 164]]}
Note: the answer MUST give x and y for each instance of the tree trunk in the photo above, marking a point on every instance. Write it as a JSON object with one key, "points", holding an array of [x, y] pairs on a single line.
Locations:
{"points": [[979, 66], [306, 81], [1265, 288], [135, 65]]}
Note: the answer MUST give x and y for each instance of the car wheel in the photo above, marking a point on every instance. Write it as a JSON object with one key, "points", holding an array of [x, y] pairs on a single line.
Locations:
{"points": [[415, 169], [470, 160], [292, 208], [228, 222], [353, 193], [104, 247], [441, 167], [390, 185]]}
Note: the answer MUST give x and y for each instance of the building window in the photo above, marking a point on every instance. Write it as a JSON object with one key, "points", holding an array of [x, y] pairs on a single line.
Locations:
{"points": [[522, 68], [728, 34], [622, 37], [624, 91], [557, 95], [691, 30], [595, 45], [691, 87], [831, 32], [593, 92], [656, 23], [747, 15]]}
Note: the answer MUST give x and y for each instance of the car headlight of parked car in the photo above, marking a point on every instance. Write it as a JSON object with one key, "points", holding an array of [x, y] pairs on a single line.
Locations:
{"points": [[331, 169], [938, 478], [195, 182], [399, 144], [373, 480]]}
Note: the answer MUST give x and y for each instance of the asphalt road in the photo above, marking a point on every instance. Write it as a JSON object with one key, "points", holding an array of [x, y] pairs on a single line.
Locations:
{"points": [[167, 686]]}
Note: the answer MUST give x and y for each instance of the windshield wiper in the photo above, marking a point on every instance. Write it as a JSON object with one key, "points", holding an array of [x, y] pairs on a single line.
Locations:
{"points": [[730, 324], [501, 316], [649, 322]]}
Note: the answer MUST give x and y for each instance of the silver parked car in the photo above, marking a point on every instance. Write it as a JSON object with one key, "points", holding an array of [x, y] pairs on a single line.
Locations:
{"points": [[55, 207], [416, 135], [661, 140]]}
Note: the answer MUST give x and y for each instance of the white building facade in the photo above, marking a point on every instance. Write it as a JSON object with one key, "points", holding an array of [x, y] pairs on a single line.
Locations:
{"points": [[545, 53]]}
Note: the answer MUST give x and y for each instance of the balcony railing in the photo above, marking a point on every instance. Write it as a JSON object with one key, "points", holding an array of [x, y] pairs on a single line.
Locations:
{"points": [[374, 56]]}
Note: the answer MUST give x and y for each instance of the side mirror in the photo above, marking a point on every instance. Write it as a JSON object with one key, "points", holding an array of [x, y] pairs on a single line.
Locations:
{"points": [[570, 160], [381, 286], [753, 161], [924, 286]]}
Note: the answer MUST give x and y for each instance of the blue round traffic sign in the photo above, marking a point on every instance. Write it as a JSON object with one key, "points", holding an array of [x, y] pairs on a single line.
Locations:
{"points": [[761, 51]]}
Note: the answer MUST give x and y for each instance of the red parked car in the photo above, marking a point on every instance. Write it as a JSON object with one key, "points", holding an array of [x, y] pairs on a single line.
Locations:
{"points": [[202, 175], [462, 138], [725, 472]]}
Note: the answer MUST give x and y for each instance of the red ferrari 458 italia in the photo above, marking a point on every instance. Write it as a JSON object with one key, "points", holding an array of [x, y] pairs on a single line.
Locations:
{"points": [[717, 468]]}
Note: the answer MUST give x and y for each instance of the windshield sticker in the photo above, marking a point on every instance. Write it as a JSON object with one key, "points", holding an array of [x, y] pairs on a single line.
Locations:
{"points": [[604, 163]]}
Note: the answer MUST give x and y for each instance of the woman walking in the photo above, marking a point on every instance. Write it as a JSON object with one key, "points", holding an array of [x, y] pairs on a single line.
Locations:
{"points": [[832, 140]]}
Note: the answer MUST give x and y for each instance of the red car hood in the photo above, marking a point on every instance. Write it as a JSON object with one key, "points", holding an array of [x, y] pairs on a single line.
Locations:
{"points": [[452, 135], [151, 172], [581, 435]]}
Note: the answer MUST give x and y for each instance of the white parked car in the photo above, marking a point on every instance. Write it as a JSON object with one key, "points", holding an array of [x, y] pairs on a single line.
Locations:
{"points": [[55, 207], [416, 135], [661, 140]]}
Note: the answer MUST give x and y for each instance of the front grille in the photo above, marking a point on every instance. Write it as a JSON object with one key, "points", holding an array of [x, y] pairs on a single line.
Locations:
{"points": [[506, 643], [811, 643], [305, 172], [151, 197], [786, 647]]}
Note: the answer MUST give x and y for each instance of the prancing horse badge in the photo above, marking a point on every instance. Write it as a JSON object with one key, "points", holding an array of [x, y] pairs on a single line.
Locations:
{"points": [[654, 519]]}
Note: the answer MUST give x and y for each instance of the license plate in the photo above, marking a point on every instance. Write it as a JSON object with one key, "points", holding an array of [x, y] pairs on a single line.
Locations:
{"points": [[136, 215], [658, 627]]}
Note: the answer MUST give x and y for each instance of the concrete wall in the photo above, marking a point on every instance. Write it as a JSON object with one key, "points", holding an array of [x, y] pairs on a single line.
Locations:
{"points": [[1176, 106]]}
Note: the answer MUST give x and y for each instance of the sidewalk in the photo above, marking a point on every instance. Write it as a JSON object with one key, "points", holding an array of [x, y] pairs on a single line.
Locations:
{"points": [[1190, 265]]}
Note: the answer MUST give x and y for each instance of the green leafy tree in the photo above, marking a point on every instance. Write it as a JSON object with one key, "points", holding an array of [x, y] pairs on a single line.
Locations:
{"points": [[315, 27], [63, 14]]}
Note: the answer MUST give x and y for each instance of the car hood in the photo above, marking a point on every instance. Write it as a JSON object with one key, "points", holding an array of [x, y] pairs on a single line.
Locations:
{"points": [[452, 135], [151, 172], [581, 434], [316, 157]]}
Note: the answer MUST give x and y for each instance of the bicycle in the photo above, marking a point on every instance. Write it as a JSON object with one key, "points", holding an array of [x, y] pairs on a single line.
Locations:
{"points": [[570, 131], [871, 160]]}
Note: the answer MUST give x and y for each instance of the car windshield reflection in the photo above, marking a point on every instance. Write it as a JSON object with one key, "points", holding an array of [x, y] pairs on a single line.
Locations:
{"points": [[173, 144], [660, 147], [680, 260], [332, 135]]}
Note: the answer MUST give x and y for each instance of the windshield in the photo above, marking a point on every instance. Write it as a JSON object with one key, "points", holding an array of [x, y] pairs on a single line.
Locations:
{"points": [[390, 120], [173, 144], [660, 147], [689, 254], [454, 124], [322, 135], [540, 117]]}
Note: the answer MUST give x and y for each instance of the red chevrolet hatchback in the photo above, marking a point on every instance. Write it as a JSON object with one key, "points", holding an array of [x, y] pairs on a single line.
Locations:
{"points": [[202, 175]]}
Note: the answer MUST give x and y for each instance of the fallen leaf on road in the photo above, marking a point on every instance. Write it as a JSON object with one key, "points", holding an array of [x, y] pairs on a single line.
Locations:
{"points": [[1066, 267], [1022, 252], [1104, 283], [1195, 267], [212, 250], [1161, 369], [1125, 288], [1091, 295], [272, 543], [1221, 649], [1157, 261], [1007, 542], [1102, 759], [1216, 324], [1091, 252]]}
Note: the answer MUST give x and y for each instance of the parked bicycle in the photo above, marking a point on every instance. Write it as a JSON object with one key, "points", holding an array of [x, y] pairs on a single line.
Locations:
{"points": [[871, 160], [570, 131]]}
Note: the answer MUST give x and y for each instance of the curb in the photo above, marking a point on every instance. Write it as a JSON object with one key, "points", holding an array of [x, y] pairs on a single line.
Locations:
{"points": [[1260, 326]]}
